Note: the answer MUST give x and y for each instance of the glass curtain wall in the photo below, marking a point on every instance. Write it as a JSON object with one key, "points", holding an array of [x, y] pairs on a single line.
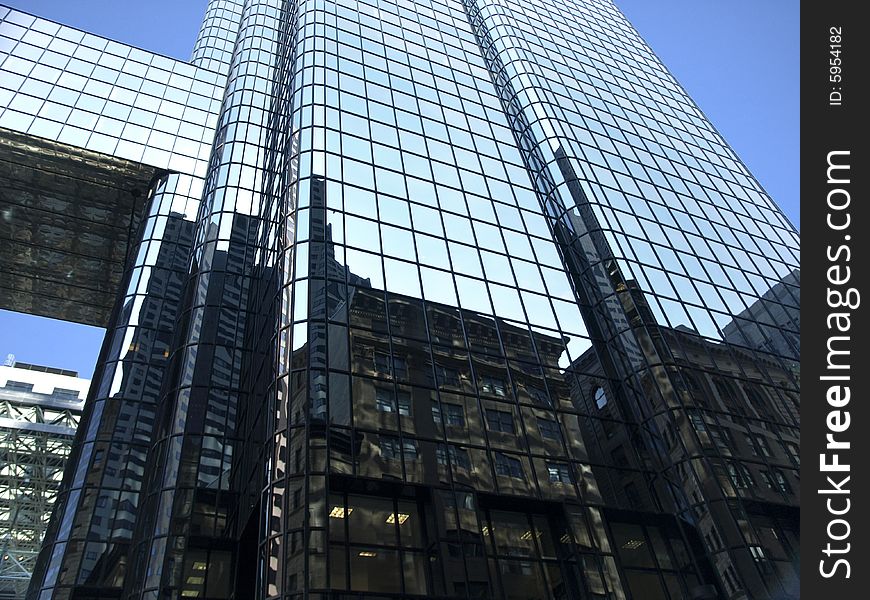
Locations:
{"points": [[477, 304]]}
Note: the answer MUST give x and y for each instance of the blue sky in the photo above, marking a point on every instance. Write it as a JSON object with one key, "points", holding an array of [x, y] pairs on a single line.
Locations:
{"points": [[738, 60]]}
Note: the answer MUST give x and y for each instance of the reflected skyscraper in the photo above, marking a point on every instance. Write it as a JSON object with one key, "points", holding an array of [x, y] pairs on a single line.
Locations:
{"points": [[455, 299]]}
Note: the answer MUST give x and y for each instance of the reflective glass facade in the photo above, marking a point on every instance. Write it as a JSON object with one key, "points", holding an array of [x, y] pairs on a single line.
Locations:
{"points": [[466, 299]]}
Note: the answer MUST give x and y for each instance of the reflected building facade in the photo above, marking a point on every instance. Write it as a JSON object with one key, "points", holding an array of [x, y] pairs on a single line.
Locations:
{"points": [[466, 299]]}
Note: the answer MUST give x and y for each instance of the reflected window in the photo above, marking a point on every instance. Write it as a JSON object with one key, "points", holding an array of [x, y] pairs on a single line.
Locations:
{"points": [[740, 475], [458, 457], [393, 448], [452, 415], [447, 376], [538, 396], [508, 466], [759, 557], [492, 385], [780, 482], [403, 400], [793, 451], [385, 400], [390, 366], [768, 479], [436, 413], [728, 395], [559, 472], [388, 401], [549, 428], [499, 420], [698, 422], [759, 401], [382, 363], [721, 437], [400, 368], [600, 398]]}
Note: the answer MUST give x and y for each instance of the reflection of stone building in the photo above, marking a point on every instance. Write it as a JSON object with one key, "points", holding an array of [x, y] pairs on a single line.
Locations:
{"points": [[424, 398], [730, 435]]}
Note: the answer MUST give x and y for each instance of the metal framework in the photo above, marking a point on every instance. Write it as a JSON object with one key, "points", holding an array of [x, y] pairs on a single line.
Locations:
{"points": [[36, 433]]}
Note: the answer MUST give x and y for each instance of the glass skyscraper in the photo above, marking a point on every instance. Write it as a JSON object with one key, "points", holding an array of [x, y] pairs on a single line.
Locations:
{"points": [[458, 299]]}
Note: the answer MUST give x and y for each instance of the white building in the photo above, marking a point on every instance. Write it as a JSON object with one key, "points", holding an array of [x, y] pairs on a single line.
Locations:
{"points": [[40, 409]]}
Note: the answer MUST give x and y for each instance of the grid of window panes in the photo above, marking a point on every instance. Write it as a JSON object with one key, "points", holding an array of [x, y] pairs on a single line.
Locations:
{"points": [[447, 545], [109, 457], [688, 227], [77, 88], [376, 542], [67, 85], [655, 560], [429, 337], [213, 49], [204, 395], [447, 318], [685, 218], [403, 217]]}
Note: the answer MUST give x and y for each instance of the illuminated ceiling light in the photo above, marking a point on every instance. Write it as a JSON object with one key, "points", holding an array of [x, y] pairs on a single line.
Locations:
{"points": [[189, 594], [526, 536], [565, 539], [368, 554], [633, 544], [199, 566], [196, 580], [391, 518], [338, 512], [485, 530]]}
